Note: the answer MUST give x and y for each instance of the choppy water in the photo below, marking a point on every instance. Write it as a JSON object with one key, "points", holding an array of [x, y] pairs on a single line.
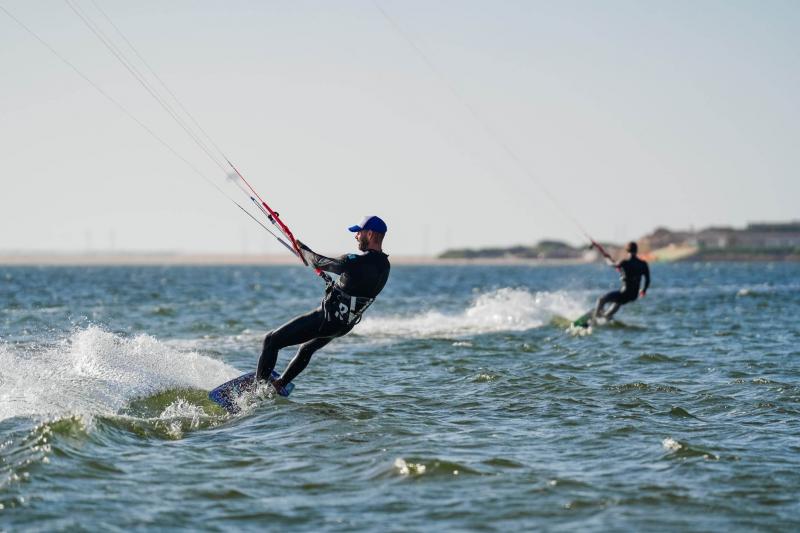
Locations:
{"points": [[459, 403]]}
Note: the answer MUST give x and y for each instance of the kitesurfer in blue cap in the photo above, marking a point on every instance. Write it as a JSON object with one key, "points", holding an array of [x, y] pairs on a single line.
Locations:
{"points": [[631, 272], [361, 279]]}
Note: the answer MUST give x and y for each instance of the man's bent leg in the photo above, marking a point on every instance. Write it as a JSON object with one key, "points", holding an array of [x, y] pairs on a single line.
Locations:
{"points": [[625, 298], [613, 297], [301, 359], [612, 310], [297, 331], [602, 301]]}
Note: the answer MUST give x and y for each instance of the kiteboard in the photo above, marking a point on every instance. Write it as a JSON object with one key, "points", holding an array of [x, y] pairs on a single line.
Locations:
{"points": [[226, 394], [584, 321]]}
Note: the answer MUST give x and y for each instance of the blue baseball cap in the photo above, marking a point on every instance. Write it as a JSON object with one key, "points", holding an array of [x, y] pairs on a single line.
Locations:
{"points": [[370, 223]]}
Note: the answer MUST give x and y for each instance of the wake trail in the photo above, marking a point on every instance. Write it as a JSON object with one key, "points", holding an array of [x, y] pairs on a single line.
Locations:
{"points": [[506, 309]]}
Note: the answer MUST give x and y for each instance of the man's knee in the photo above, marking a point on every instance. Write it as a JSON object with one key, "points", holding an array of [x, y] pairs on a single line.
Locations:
{"points": [[268, 339], [306, 350]]}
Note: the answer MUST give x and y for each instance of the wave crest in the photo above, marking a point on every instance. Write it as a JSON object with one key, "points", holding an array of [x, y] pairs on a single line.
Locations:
{"points": [[95, 372], [505, 309]]}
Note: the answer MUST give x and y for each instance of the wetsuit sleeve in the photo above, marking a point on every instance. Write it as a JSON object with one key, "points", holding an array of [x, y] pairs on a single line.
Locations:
{"points": [[335, 266], [646, 277]]}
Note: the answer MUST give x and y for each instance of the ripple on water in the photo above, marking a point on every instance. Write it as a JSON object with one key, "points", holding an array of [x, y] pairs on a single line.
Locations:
{"points": [[485, 377], [502, 463], [683, 450], [164, 311], [655, 358], [417, 467], [679, 412], [639, 386]]}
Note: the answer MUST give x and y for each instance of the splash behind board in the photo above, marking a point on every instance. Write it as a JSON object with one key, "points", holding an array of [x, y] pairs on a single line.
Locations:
{"points": [[226, 394]]}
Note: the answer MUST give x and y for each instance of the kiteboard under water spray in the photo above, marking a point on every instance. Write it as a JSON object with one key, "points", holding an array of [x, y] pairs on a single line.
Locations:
{"points": [[583, 321], [228, 394]]}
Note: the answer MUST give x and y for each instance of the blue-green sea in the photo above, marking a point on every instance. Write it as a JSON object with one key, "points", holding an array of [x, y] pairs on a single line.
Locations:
{"points": [[462, 402]]}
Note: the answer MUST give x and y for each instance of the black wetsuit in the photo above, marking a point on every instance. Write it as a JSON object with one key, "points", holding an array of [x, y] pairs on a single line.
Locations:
{"points": [[631, 272], [361, 278]]}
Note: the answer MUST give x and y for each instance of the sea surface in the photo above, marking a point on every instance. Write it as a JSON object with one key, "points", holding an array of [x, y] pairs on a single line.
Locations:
{"points": [[462, 402]]}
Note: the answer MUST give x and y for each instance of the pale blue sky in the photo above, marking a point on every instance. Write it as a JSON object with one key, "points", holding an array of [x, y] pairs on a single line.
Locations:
{"points": [[632, 114]]}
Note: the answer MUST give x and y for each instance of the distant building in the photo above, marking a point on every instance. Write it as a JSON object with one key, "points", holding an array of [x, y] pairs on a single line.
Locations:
{"points": [[714, 238], [753, 237], [663, 237], [779, 240], [769, 236]]}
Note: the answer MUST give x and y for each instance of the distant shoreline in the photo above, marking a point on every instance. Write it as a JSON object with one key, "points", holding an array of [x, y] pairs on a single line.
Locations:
{"points": [[210, 259]]}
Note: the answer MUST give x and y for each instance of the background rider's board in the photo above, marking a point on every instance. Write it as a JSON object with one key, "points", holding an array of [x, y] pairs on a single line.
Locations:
{"points": [[584, 321]]}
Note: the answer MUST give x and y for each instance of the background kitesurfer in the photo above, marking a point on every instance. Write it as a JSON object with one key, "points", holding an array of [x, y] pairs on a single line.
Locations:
{"points": [[361, 279], [631, 272]]}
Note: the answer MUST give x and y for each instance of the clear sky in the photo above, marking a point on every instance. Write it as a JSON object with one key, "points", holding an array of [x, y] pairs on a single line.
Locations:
{"points": [[632, 114]]}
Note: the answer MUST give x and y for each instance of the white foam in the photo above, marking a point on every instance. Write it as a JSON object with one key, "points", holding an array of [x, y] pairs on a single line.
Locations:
{"points": [[97, 372], [500, 310], [579, 331], [405, 468], [181, 412]]}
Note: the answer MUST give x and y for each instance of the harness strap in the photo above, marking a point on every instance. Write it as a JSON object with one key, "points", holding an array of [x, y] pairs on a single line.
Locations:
{"points": [[340, 300]]}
